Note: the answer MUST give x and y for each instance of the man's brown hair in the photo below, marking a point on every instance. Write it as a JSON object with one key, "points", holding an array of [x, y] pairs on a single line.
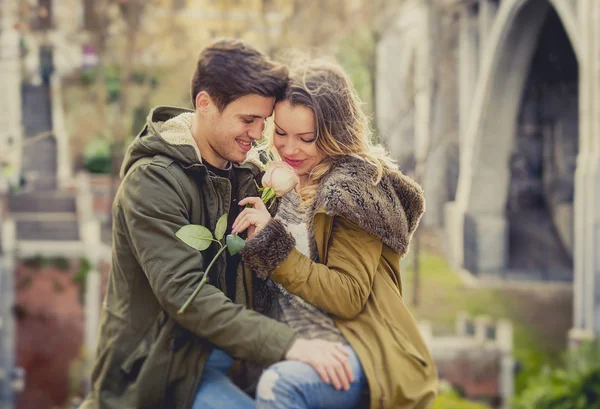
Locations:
{"points": [[229, 69]]}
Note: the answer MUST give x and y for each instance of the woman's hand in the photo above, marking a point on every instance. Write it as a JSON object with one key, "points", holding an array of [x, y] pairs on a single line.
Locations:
{"points": [[329, 359], [253, 219]]}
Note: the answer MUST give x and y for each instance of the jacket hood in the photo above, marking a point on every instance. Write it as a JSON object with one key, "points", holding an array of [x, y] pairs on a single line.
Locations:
{"points": [[390, 210], [168, 132]]}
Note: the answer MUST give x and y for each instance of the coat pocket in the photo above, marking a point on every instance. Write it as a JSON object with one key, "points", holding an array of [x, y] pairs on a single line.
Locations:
{"points": [[132, 365], [407, 346]]}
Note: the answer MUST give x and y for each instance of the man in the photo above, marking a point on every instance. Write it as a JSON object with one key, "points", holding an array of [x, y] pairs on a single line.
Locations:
{"points": [[184, 168]]}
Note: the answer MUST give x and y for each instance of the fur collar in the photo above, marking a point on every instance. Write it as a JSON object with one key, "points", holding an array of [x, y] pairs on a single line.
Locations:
{"points": [[177, 131], [390, 210]]}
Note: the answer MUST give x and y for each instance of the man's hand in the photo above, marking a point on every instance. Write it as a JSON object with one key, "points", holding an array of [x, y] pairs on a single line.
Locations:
{"points": [[329, 359]]}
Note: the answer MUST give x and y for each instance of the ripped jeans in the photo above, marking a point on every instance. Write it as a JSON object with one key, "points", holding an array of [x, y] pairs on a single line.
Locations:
{"points": [[216, 390], [296, 385]]}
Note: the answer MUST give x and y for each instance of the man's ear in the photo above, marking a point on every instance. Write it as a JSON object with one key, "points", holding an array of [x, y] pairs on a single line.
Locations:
{"points": [[203, 101]]}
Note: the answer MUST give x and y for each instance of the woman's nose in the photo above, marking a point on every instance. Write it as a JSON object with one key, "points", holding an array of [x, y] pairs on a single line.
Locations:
{"points": [[291, 149]]}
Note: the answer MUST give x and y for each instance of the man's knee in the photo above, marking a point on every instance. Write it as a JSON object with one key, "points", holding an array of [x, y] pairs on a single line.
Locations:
{"points": [[266, 384]]}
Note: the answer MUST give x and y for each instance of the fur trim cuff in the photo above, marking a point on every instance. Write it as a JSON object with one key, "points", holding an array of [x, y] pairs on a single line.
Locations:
{"points": [[269, 248]]}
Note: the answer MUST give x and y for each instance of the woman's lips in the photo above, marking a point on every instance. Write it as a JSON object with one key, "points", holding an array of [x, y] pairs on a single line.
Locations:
{"points": [[293, 163]]}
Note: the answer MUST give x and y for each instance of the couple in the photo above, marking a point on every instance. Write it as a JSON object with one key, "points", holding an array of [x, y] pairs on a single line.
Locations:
{"points": [[315, 298]]}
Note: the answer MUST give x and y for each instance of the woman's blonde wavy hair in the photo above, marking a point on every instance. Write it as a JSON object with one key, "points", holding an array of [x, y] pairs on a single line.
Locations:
{"points": [[341, 125]]}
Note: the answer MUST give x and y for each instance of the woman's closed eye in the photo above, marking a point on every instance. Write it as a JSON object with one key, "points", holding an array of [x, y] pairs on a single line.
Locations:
{"points": [[305, 140]]}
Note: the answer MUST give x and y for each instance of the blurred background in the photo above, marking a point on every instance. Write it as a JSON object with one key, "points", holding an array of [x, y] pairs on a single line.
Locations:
{"points": [[492, 105]]}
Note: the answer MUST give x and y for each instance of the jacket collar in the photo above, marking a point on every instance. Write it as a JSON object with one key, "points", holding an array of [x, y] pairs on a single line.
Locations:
{"points": [[390, 210]]}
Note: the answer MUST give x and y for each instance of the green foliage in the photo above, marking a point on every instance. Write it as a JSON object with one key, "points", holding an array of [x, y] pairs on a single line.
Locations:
{"points": [[97, 157], [80, 277], [87, 76], [34, 262], [111, 80], [538, 342], [84, 268], [221, 227], [139, 118], [200, 238], [452, 400], [60, 263], [574, 386], [531, 363], [356, 54], [196, 236], [235, 244], [138, 77], [37, 262]]}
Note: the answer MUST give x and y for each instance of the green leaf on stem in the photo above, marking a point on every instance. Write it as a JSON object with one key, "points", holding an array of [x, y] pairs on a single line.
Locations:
{"points": [[260, 189], [221, 227], [195, 236], [268, 194], [194, 294], [202, 282], [235, 244]]}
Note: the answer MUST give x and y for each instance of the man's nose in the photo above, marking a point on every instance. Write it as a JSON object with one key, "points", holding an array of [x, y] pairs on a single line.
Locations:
{"points": [[256, 130]]}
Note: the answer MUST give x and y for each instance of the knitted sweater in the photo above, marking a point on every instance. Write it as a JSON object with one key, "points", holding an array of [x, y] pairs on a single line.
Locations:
{"points": [[308, 321]]}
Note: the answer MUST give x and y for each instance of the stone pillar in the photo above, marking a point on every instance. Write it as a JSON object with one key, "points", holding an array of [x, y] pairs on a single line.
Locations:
{"points": [[504, 341], [485, 240], [587, 180], [92, 315], [7, 332], [63, 158], [467, 64], [92, 297], [482, 323], [487, 13], [90, 235], [462, 324], [10, 84]]}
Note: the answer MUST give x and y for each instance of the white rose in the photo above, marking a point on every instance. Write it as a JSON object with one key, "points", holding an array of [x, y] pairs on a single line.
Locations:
{"points": [[280, 177]]}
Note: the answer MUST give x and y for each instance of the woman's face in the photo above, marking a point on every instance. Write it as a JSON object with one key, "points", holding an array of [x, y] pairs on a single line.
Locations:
{"points": [[294, 137]]}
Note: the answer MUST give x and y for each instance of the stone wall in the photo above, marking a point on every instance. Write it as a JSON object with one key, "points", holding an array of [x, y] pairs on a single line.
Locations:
{"points": [[477, 360], [49, 343]]}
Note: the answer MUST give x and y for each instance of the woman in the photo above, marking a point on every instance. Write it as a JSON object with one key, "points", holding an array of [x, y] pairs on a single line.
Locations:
{"points": [[334, 252]]}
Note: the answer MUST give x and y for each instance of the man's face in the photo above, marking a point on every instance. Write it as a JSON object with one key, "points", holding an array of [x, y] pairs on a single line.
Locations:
{"points": [[240, 124]]}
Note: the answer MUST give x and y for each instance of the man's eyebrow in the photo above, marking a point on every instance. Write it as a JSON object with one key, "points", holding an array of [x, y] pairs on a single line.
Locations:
{"points": [[253, 116], [304, 133]]}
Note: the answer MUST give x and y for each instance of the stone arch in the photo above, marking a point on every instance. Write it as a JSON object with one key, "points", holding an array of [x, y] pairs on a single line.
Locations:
{"points": [[476, 221]]}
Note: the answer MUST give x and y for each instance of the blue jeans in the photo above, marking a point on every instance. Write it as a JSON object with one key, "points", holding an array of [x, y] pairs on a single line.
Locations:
{"points": [[296, 385], [216, 390]]}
